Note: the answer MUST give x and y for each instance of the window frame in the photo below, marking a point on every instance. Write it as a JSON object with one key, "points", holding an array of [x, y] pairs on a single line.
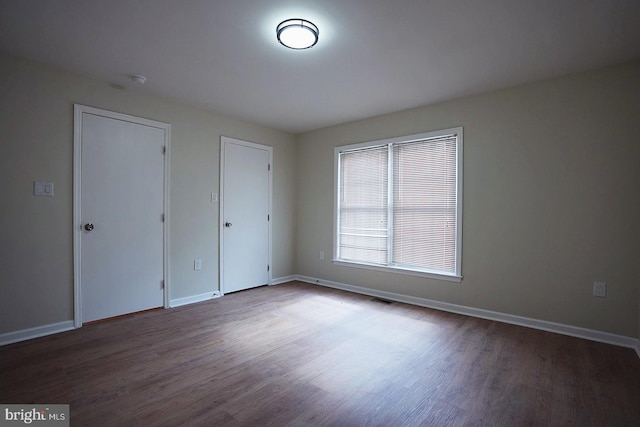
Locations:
{"points": [[456, 276]]}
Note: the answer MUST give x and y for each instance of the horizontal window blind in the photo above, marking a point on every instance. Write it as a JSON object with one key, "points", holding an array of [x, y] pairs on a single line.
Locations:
{"points": [[424, 204], [363, 205]]}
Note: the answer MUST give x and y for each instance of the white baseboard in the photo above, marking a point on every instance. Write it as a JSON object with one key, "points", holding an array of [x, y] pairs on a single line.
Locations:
{"points": [[593, 335], [193, 299], [283, 279], [38, 331]]}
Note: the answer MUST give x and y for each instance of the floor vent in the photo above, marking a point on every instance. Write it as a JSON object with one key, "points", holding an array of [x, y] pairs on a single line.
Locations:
{"points": [[381, 300]]}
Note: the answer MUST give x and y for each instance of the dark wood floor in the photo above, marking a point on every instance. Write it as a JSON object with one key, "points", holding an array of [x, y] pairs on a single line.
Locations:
{"points": [[302, 355]]}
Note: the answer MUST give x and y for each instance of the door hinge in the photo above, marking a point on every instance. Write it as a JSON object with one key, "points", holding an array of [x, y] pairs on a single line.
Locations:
{"points": [[268, 166], [267, 267], [161, 284], [162, 217], [164, 149], [268, 217]]}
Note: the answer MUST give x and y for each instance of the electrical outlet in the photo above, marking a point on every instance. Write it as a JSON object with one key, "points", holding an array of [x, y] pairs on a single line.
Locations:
{"points": [[197, 264], [599, 289], [322, 255]]}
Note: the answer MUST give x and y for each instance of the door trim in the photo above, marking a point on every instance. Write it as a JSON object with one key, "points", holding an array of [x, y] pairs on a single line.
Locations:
{"points": [[224, 140], [78, 111]]}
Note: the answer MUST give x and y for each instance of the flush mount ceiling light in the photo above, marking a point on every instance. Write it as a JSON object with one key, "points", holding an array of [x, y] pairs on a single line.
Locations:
{"points": [[297, 33]]}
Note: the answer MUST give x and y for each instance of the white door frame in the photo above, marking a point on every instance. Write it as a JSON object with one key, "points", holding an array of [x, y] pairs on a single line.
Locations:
{"points": [[78, 111], [227, 140]]}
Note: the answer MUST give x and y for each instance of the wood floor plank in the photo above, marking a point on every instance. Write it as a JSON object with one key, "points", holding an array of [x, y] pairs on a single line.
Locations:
{"points": [[302, 355]]}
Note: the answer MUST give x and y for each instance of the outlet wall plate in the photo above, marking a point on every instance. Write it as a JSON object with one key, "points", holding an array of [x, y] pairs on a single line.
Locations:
{"points": [[599, 289]]}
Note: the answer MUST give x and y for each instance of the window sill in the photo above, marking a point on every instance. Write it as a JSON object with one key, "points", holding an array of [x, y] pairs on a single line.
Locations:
{"points": [[398, 270]]}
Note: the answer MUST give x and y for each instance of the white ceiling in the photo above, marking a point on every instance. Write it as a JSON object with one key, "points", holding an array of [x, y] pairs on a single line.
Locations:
{"points": [[373, 57]]}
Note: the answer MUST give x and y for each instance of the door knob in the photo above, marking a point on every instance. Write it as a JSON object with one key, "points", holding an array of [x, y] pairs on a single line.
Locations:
{"points": [[227, 224], [88, 227]]}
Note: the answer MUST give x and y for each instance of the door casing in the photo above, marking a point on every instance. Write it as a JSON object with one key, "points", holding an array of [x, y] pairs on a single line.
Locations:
{"points": [[227, 140], [79, 110]]}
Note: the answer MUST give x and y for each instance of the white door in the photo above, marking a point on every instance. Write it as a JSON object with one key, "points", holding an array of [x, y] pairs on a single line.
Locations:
{"points": [[121, 216], [245, 210]]}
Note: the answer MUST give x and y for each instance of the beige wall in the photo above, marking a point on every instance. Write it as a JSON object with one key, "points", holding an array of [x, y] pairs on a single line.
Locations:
{"points": [[551, 182], [550, 195], [36, 123]]}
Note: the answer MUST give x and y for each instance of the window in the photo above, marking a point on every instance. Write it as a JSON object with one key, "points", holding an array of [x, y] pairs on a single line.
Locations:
{"points": [[398, 204]]}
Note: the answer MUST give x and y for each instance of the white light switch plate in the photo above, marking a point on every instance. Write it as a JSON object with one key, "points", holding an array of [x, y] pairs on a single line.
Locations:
{"points": [[43, 188], [197, 264]]}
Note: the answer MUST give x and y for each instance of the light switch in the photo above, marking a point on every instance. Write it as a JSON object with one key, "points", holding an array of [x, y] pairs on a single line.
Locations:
{"points": [[43, 188], [214, 197]]}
